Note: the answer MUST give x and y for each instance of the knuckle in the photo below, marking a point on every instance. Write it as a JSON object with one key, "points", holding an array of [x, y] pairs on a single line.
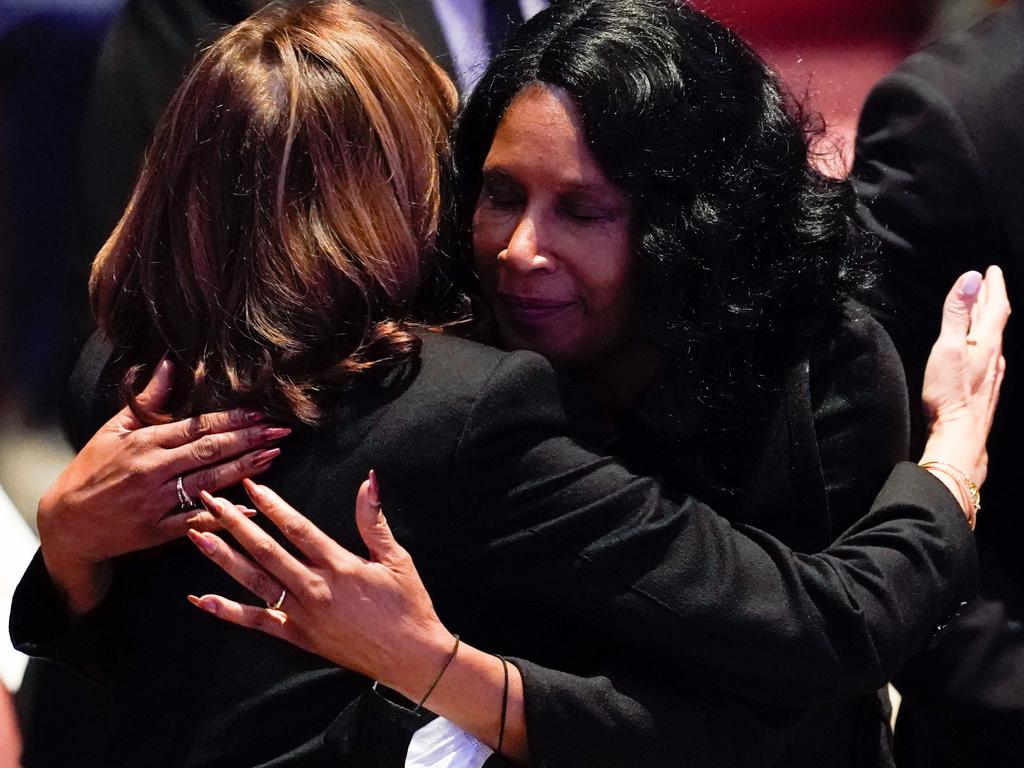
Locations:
{"points": [[319, 595], [259, 584], [263, 550], [207, 448], [136, 471], [296, 528], [261, 620]]}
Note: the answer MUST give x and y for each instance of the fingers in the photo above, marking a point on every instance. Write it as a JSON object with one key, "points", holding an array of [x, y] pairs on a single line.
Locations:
{"points": [[187, 431], [994, 311], [310, 540], [373, 526], [223, 475], [177, 524], [154, 396], [274, 623], [956, 309], [264, 550], [217, 448], [237, 566]]}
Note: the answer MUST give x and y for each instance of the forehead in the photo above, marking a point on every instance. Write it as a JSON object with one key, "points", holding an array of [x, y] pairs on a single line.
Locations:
{"points": [[541, 134]]}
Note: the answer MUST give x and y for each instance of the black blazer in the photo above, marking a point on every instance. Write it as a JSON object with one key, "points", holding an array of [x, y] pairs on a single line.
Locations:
{"points": [[828, 446], [938, 168], [481, 480]]}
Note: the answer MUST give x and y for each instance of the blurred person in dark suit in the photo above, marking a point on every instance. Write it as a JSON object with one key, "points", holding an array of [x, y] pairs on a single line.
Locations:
{"points": [[939, 163]]}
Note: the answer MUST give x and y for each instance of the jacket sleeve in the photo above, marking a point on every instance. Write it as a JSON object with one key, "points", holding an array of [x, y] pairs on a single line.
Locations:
{"points": [[730, 608], [844, 419]]}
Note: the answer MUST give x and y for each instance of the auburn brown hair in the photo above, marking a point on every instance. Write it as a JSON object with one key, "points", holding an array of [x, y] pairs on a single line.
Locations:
{"points": [[285, 214]]}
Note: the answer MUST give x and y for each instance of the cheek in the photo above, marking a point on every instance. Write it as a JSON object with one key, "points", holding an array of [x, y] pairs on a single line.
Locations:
{"points": [[610, 278], [488, 242]]}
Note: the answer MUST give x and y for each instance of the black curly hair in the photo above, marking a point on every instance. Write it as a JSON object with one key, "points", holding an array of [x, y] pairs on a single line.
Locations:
{"points": [[744, 246]]}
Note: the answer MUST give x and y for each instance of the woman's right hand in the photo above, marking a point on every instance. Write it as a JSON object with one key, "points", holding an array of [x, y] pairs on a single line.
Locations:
{"points": [[119, 494], [964, 373]]}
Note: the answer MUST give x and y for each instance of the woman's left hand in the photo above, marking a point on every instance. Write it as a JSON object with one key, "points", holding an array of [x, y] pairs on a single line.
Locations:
{"points": [[371, 616]]}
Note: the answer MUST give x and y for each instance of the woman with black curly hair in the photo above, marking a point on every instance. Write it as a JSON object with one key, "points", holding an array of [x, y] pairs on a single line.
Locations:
{"points": [[635, 191]]}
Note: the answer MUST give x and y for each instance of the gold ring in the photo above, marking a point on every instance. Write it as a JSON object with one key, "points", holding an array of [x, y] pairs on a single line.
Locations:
{"points": [[276, 605]]}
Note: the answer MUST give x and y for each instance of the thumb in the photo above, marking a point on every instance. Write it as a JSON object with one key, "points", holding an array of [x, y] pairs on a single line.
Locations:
{"points": [[373, 526], [956, 309], [158, 388], [153, 397]]}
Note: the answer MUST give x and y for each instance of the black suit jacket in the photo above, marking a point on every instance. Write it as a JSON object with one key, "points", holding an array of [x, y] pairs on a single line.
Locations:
{"points": [[827, 447], [939, 163], [531, 544]]}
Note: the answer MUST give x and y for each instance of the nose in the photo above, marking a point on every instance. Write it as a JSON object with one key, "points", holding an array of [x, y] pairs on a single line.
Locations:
{"points": [[525, 253]]}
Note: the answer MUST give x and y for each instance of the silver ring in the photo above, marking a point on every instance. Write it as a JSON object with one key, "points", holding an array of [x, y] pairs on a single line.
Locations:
{"points": [[184, 500], [276, 605]]}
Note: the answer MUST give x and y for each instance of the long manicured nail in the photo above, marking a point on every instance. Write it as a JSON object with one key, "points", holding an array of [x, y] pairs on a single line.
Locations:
{"points": [[263, 458], [247, 511], [205, 542], [211, 503], [203, 603], [374, 489], [275, 433], [971, 284], [254, 417]]}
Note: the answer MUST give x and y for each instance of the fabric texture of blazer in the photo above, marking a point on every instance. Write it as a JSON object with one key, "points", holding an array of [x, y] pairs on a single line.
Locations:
{"points": [[833, 434], [481, 481], [938, 168]]}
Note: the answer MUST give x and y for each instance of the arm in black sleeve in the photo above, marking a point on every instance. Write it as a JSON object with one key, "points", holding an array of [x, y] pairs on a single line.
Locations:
{"points": [[842, 428], [731, 608]]}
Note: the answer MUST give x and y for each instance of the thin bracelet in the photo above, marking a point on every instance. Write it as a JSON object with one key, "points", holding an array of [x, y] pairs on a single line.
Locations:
{"points": [[504, 707], [969, 492], [963, 497], [440, 674]]}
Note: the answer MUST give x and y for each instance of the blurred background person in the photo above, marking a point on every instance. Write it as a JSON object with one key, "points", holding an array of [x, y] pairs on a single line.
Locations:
{"points": [[939, 164]]}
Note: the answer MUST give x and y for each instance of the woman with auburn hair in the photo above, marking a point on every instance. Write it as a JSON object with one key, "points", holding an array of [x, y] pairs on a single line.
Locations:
{"points": [[277, 251]]}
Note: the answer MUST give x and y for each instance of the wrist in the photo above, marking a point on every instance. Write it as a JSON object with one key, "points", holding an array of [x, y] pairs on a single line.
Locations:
{"points": [[422, 662], [958, 445], [960, 485], [82, 582]]}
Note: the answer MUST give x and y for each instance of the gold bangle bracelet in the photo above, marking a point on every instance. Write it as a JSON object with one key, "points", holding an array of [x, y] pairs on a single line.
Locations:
{"points": [[969, 491]]}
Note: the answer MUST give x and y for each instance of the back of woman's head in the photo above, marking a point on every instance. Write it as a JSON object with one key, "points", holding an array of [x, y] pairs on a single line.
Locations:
{"points": [[285, 215], [741, 243]]}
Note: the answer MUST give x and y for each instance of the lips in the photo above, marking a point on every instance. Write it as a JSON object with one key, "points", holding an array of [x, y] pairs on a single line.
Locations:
{"points": [[532, 310]]}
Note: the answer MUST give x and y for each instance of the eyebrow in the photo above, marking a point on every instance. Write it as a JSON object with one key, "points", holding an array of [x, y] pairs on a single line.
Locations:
{"points": [[501, 174]]}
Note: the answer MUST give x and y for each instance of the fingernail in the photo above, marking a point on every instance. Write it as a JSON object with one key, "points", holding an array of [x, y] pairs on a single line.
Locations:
{"points": [[247, 511], [251, 488], [203, 603], [210, 502], [203, 541], [275, 433], [254, 417], [264, 457], [971, 284], [374, 488]]}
